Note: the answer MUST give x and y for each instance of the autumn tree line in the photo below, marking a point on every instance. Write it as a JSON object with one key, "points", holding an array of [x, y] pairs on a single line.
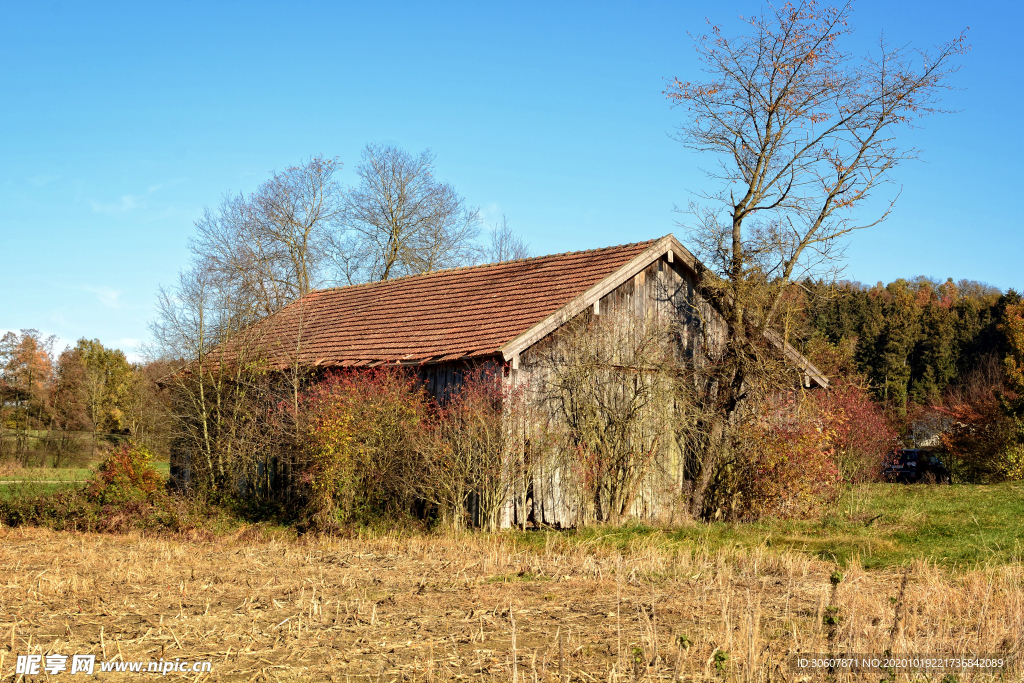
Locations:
{"points": [[59, 409], [941, 359]]}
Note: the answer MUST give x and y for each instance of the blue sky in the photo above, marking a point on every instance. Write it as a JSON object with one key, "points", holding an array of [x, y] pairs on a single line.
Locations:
{"points": [[121, 121]]}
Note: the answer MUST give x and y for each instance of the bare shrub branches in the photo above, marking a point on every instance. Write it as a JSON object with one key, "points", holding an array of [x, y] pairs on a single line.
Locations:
{"points": [[221, 393], [376, 446], [472, 461], [609, 385]]}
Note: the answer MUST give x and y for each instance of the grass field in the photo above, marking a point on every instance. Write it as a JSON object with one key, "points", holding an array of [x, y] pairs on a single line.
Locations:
{"points": [[908, 569], [46, 474], [481, 608], [29, 481], [877, 525], [34, 481]]}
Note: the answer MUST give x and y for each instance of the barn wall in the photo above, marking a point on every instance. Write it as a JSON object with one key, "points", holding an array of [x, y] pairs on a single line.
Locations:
{"points": [[441, 380], [662, 290]]}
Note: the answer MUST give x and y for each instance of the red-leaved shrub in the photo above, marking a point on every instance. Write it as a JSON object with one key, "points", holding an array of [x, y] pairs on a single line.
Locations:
{"points": [[860, 433], [786, 461], [124, 476]]}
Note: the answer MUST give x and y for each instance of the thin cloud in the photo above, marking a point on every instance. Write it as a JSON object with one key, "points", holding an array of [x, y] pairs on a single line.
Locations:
{"points": [[111, 298], [128, 202], [41, 180], [491, 213]]}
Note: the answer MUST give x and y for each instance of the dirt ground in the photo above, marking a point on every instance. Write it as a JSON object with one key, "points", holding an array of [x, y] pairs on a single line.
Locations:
{"points": [[425, 608]]}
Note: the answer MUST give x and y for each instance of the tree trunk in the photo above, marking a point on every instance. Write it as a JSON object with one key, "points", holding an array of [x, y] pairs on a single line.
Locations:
{"points": [[712, 456]]}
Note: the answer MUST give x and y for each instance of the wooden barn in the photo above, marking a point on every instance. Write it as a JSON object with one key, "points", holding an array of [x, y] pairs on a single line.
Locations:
{"points": [[445, 322]]}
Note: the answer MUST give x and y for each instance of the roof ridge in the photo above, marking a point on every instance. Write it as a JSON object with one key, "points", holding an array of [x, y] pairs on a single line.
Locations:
{"points": [[481, 266]]}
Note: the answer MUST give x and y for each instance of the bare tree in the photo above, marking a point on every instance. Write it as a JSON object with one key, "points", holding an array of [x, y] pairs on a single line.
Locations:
{"points": [[232, 414], [273, 246], [803, 135], [198, 324], [506, 244], [403, 221], [252, 256]]}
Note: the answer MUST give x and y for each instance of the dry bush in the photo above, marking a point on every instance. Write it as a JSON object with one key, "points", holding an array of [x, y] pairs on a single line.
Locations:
{"points": [[470, 462], [362, 454], [379, 448], [785, 461], [791, 450], [126, 475], [864, 436]]}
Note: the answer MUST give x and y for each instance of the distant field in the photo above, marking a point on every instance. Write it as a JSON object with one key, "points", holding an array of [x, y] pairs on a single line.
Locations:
{"points": [[37, 437], [34, 481], [42, 480], [47, 474], [882, 525], [9, 490]]}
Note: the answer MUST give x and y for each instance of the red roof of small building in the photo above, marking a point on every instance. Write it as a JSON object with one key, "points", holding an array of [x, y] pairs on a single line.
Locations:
{"points": [[446, 315]]}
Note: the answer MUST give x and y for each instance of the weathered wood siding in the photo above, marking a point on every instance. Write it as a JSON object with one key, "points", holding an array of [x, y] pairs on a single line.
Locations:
{"points": [[670, 290], [665, 290], [441, 380]]}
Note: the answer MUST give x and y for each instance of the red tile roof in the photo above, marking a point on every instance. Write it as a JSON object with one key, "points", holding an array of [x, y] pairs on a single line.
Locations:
{"points": [[446, 315]]}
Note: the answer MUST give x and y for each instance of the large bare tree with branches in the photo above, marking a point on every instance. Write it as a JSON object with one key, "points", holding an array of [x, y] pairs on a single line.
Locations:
{"points": [[403, 221], [259, 252], [803, 135], [271, 247]]}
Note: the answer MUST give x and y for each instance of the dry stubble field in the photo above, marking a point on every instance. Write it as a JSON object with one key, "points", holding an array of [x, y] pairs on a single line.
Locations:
{"points": [[433, 608]]}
